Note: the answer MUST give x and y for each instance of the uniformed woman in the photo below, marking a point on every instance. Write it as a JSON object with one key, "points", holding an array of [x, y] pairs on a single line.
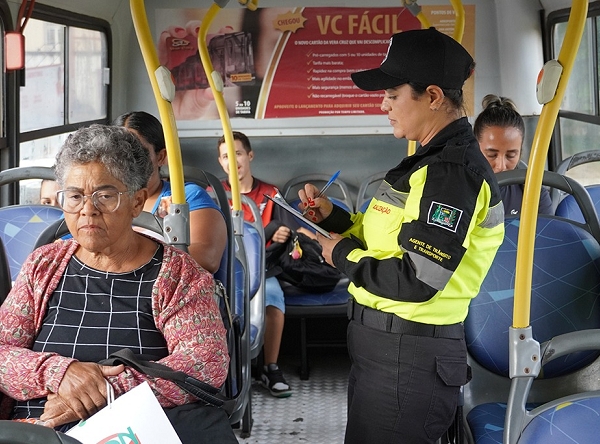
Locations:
{"points": [[420, 252]]}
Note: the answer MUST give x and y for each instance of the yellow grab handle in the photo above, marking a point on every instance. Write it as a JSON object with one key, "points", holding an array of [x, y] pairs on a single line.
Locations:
{"points": [[535, 170], [250, 4], [415, 9], [459, 23], [140, 23], [216, 85]]}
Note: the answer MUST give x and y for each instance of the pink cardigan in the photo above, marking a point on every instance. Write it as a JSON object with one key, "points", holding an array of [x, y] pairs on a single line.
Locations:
{"points": [[183, 307]]}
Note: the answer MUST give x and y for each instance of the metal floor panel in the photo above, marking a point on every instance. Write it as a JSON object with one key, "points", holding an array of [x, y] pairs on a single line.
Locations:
{"points": [[316, 411]]}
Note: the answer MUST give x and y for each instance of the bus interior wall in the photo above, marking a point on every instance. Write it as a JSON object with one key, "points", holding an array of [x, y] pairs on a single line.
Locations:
{"points": [[325, 148], [357, 157]]}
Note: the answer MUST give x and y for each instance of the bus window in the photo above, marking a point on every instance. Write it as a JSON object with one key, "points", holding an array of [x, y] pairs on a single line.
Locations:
{"points": [[66, 85], [46, 58], [44, 76], [579, 116], [87, 84], [578, 97], [38, 152]]}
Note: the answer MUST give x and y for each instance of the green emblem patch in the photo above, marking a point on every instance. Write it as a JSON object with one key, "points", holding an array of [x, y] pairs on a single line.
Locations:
{"points": [[444, 216]]}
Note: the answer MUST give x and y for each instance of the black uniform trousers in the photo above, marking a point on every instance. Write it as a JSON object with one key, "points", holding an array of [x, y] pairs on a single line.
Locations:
{"points": [[405, 378]]}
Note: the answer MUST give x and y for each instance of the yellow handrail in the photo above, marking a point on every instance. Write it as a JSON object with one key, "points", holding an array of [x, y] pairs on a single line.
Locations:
{"points": [[250, 4], [459, 23], [415, 9], [142, 29], [216, 85], [424, 21], [535, 170]]}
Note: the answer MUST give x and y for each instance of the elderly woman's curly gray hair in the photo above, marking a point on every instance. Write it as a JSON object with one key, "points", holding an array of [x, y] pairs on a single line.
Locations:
{"points": [[119, 150]]}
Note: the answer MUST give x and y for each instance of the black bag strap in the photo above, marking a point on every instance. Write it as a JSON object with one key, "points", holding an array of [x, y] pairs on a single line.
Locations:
{"points": [[199, 389]]}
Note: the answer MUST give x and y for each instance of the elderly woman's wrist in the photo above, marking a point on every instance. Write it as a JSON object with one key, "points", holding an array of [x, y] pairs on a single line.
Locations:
{"points": [[56, 367]]}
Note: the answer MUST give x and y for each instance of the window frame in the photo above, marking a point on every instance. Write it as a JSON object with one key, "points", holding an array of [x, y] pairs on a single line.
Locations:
{"points": [[67, 18], [555, 155]]}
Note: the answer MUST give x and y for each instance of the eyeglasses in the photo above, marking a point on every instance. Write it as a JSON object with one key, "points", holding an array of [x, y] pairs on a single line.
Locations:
{"points": [[105, 201]]}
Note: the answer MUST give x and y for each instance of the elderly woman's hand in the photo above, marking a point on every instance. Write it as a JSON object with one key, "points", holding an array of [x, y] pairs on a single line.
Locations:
{"points": [[57, 412], [81, 393]]}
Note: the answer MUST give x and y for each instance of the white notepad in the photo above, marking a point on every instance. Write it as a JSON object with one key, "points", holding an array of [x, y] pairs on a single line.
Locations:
{"points": [[279, 200]]}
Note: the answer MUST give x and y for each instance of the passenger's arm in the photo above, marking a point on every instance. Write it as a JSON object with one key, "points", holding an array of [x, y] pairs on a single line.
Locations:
{"points": [[208, 237], [271, 228], [189, 318], [26, 374], [281, 235]]}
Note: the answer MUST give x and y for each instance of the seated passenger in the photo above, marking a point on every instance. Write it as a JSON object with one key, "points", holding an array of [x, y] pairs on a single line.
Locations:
{"points": [[208, 232], [48, 189], [500, 130], [109, 287], [271, 375]]}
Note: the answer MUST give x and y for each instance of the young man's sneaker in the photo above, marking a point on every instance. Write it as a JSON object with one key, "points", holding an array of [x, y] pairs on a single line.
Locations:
{"points": [[272, 378]]}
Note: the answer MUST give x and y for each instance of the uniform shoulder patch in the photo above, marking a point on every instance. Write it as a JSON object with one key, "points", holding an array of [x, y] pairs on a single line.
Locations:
{"points": [[444, 216]]}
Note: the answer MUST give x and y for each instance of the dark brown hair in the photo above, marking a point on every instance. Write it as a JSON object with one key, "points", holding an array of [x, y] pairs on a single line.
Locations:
{"points": [[498, 111], [236, 136]]}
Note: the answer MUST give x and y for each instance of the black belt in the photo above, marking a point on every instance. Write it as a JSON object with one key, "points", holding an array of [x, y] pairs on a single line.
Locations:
{"points": [[392, 323]]}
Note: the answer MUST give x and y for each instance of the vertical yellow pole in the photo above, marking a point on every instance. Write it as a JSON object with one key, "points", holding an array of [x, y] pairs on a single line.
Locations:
{"points": [[140, 22], [535, 170], [459, 24], [415, 9], [216, 85]]}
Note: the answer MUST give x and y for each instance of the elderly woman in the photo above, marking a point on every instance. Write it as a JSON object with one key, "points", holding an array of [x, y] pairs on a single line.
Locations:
{"points": [[76, 302]]}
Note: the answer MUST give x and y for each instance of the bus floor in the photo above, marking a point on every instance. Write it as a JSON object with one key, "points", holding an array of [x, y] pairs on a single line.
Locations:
{"points": [[316, 411]]}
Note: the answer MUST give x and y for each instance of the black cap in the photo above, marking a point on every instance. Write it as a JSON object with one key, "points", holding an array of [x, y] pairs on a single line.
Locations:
{"points": [[422, 56]]}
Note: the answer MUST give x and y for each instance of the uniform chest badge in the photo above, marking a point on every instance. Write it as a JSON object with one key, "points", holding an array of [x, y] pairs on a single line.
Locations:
{"points": [[444, 216]]}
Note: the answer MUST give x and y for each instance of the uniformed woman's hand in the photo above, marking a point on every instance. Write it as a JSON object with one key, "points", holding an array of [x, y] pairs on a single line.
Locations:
{"points": [[328, 245], [318, 207]]}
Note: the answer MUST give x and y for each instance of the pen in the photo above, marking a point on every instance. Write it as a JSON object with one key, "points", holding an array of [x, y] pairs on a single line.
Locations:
{"points": [[327, 185]]}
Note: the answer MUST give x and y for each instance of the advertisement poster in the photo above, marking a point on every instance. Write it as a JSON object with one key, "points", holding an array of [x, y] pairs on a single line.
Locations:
{"points": [[282, 62]]}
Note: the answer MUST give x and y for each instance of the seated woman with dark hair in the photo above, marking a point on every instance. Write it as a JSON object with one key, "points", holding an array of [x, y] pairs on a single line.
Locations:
{"points": [[208, 232], [109, 287], [500, 130]]}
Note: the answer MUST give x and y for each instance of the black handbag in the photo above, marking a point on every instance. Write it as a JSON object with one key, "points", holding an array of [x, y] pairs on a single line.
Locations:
{"points": [[201, 390], [299, 262], [202, 422]]}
